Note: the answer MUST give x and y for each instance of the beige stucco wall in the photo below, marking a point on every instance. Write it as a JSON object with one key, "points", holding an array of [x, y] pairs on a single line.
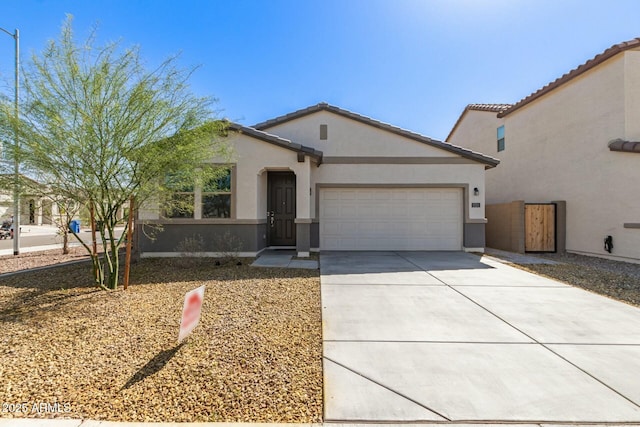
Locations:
{"points": [[349, 141], [347, 137], [253, 159], [556, 149], [477, 131]]}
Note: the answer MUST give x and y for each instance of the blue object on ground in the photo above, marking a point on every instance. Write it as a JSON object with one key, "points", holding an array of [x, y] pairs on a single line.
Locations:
{"points": [[74, 225]]}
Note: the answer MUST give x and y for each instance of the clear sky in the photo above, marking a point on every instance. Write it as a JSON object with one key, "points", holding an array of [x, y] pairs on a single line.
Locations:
{"points": [[411, 63]]}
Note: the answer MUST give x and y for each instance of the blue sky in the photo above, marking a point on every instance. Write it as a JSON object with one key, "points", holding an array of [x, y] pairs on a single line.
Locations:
{"points": [[411, 63]]}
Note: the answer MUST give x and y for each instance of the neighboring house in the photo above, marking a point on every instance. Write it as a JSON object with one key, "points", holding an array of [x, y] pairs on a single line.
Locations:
{"points": [[324, 178], [34, 208], [574, 141]]}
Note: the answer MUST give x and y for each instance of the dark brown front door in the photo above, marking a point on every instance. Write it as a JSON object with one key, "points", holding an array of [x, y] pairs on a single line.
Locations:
{"points": [[282, 208]]}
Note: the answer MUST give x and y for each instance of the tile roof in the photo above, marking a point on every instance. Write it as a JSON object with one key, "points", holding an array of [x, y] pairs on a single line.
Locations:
{"points": [[276, 140], [496, 108], [492, 108], [598, 59], [323, 106], [626, 146]]}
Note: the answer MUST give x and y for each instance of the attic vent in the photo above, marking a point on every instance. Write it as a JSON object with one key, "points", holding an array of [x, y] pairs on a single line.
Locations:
{"points": [[323, 132]]}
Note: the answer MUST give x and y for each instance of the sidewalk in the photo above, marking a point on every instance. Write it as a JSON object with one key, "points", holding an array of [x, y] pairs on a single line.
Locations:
{"points": [[23, 250], [38, 230]]}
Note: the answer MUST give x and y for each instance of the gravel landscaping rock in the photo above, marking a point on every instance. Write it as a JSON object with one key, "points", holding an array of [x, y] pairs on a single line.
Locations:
{"points": [[615, 279], [256, 355]]}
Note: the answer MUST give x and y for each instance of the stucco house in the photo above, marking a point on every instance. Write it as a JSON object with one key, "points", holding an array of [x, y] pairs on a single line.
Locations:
{"points": [[324, 178], [573, 140], [35, 209]]}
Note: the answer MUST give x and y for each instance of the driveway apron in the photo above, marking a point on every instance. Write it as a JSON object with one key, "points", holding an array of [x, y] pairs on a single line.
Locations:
{"points": [[451, 336]]}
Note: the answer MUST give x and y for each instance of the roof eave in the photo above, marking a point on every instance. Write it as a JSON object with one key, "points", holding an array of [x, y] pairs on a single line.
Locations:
{"points": [[277, 141], [621, 145], [581, 69]]}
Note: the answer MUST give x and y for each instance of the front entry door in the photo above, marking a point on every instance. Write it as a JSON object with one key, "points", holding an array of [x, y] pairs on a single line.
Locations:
{"points": [[282, 208]]}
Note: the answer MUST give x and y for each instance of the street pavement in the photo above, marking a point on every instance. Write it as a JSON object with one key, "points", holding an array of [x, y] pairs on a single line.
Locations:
{"points": [[453, 337], [40, 238]]}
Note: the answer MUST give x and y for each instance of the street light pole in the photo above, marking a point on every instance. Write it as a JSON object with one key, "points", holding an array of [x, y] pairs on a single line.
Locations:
{"points": [[16, 166]]}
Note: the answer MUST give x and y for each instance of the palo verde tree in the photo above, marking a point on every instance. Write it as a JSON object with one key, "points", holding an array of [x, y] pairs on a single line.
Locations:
{"points": [[99, 126]]}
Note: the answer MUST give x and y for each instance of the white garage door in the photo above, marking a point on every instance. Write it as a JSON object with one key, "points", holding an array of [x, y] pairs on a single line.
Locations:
{"points": [[391, 219]]}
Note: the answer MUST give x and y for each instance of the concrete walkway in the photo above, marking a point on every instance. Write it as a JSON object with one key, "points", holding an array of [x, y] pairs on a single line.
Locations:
{"points": [[283, 259], [450, 336]]}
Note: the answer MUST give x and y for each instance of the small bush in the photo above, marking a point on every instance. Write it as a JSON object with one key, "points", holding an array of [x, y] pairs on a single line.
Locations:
{"points": [[229, 247], [189, 248]]}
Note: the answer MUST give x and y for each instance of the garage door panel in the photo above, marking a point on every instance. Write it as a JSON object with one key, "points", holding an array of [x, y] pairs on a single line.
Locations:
{"points": [[415, 195], [391, 219], [330, 194], [331, 228], [400, 212], [346, 195]]}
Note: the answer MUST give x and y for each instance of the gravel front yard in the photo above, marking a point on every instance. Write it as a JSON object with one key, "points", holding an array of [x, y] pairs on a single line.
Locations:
{"points": [[256, 355], [615, 279]]}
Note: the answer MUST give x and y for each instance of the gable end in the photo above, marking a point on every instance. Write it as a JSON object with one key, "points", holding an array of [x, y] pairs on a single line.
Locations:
{"points": [[323, 106]]}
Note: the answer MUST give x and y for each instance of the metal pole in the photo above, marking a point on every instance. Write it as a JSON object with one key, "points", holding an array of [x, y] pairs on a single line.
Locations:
{"points": [[16, 167], [16, 170]]}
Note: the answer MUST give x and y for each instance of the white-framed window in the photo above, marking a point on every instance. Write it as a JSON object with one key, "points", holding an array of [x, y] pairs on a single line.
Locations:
{"points": [[211, 200], [181, 202], [500, 138], [216, 196]]}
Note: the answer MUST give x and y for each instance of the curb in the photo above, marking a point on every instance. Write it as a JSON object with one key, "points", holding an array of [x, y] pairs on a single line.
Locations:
{"points": [[44, 267]]}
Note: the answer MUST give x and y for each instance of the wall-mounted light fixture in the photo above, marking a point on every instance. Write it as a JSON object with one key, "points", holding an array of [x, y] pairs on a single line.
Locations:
{"points": [[476, 192]]}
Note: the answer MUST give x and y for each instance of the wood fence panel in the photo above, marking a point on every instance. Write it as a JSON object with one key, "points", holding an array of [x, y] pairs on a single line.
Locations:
{"points": [[540, 227]]}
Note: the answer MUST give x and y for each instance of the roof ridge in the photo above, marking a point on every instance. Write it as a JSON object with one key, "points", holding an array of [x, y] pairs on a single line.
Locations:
{"points": [[290, 116], [323, 106], [582, 68]]}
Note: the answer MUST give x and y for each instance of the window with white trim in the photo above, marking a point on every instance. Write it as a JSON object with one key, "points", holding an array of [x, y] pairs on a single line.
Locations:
{"points": [[500, 138], [181, 202], [214, 197]]}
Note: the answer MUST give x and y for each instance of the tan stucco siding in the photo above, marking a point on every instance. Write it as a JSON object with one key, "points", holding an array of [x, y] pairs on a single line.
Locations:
{"points": [[348, 137], [556, 149], [477, 131], [632, 95], [253, 159]]}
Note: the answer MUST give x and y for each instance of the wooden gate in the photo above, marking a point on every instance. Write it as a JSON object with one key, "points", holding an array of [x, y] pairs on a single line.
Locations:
{"points": [[540, 227]]}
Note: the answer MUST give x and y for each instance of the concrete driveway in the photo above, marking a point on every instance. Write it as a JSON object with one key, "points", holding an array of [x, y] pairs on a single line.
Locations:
{"points": [[450, 336]]}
